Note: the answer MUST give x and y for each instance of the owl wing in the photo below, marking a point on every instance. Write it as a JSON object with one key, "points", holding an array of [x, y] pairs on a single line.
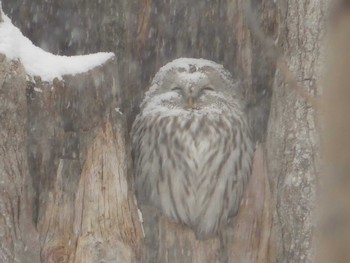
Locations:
{"points": [[241, 163]]}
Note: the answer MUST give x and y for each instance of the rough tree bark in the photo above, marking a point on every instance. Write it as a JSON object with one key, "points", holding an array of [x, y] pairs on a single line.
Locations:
{"points": [[19, 241], [78, 148], [292, 142], [79, 163]]}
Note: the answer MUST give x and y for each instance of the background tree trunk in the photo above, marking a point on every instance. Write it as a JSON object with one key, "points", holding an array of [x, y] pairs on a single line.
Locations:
{"points": [[335, 220], [77, 152]]}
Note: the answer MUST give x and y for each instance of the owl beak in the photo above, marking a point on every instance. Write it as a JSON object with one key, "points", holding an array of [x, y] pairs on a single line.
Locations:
{"points": [[190, 102]]}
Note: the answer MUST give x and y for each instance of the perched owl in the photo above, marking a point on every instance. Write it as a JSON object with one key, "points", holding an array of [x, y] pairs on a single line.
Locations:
{"points": [[191, 145]]}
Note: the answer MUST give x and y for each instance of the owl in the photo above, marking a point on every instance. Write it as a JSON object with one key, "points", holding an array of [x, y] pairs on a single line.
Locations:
{"points": [[191, 145]]}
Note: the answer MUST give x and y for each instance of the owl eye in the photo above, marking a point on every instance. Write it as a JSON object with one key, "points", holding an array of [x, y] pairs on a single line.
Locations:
{"points": [[176, 89], [207, 89]]}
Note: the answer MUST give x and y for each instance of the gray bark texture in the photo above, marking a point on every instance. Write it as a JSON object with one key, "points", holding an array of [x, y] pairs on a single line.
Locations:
{"points": [[292, 140], [66, 191]]}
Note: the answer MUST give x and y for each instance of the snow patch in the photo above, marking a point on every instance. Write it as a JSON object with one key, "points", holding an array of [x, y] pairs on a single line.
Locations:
{"points": [[38, 62], [38, 90], [141, 221], [118, 111], [191, 70], [188, 63], [191, 77]]}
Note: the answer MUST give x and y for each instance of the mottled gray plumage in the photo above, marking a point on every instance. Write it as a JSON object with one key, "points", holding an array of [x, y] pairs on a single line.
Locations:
{"points": [[192, 147]]}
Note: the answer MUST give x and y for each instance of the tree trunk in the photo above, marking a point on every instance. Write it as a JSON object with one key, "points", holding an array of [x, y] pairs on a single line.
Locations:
{"points": [[77, 151], [80, 163], [292, 142], [19, 241]]}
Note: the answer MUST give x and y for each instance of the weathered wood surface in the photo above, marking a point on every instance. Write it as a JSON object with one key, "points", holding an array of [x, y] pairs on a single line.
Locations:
{"points": [[253, 235], [81, 163], [19, 242], [72, 201]]}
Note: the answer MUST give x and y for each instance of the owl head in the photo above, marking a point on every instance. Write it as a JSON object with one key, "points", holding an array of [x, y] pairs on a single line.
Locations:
{"points": [[188, 86]]}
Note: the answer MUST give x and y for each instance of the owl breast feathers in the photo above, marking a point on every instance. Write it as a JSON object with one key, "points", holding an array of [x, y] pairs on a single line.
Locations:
{"points": [[191, 145]]}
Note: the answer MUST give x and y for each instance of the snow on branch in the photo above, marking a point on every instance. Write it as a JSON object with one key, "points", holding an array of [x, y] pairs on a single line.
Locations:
{"points": [[38, 62]]}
